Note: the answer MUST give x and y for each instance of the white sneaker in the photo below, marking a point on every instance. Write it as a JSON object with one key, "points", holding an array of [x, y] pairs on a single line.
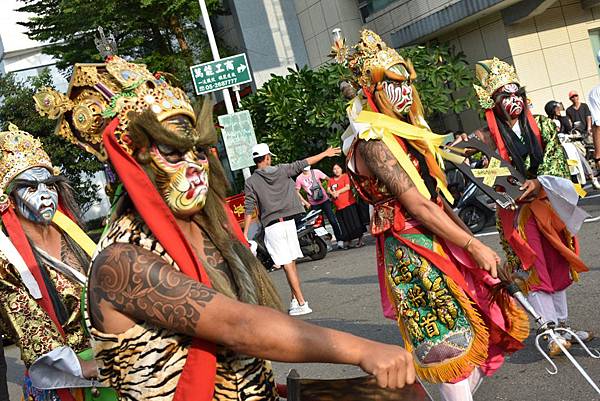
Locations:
{"points": [[300, 310], [340, 244], [595, 183], [293, 304]]}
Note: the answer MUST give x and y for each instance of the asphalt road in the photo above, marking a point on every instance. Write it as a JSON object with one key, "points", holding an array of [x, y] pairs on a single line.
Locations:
{"points": [[342, 290]]}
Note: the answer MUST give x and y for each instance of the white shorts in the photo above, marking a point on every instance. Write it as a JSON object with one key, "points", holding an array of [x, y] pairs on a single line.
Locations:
{"points": [[594, 104], [282, 243]]}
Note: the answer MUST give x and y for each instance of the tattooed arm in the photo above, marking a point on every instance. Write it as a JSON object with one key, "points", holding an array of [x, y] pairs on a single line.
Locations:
{"points": [[380, 161], [128, 283]]}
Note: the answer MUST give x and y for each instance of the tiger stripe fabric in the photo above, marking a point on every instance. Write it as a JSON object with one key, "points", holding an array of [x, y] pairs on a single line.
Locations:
{"points": [[144, 362]]}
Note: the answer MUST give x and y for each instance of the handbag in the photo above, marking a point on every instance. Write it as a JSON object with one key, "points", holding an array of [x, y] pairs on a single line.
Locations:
{"points": [[315, 189]]}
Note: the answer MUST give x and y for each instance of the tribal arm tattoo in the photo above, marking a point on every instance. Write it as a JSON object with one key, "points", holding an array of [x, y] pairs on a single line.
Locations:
{"points": [[142, 286], [384, 166]]}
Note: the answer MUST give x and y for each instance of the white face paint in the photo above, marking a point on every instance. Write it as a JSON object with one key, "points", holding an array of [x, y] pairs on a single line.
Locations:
{"points": [[399, 93], [35, 198]]}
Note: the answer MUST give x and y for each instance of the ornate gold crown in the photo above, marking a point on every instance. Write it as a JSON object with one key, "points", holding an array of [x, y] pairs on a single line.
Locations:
{"points": [[492, 75], [371, 54], [19, 151], [100, 92]]}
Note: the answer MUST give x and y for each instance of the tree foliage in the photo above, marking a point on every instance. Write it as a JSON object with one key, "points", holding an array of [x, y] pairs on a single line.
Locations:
{"points": [[17, 107], [441, 73], [164, 34], [299, 114]]}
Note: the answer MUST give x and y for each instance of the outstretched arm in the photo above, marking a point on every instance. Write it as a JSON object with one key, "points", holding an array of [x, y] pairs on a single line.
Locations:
{"points": [[329, 152], [130, 282], [382, 164]]}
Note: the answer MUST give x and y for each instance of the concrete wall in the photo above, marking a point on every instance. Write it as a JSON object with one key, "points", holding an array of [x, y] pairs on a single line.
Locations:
{"points": [[483, 39], [270, 34], [403, 12], [553, 53], [319, 17]]}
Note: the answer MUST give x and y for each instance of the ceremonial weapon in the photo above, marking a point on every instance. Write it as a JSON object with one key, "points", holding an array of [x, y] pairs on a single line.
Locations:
{"points": [[499, 180], [548, 329], [502, 182]]}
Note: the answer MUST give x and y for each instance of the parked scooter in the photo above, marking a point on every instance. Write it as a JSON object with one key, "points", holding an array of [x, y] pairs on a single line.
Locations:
{"points": [[578, 151], [311, 236], [475, 208]]}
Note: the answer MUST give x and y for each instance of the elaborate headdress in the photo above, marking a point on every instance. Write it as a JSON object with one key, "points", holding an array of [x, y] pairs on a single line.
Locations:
{"points": [[370, 59], [19, 151], [492, 75], [100, 92]]}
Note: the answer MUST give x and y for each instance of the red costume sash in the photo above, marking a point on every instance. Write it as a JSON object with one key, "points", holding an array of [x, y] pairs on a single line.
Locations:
{"points": [[197, 379], [21, 243]]}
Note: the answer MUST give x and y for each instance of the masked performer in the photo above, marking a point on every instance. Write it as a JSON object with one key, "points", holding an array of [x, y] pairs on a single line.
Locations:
{"points": [[179, 308], [535, 236], [43, 263], [436, 278]]}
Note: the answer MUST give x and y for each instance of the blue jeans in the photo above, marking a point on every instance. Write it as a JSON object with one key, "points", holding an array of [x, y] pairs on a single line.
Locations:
{"points": [[328, 212]]}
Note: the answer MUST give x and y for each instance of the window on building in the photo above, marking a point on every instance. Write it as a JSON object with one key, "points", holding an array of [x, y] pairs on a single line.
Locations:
{"points": [[369, 7], [595, 39]]}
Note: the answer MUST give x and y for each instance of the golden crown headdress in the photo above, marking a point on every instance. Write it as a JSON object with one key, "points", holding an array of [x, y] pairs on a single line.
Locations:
{"points": [[492, 75], [371, 56], [19, 151], [98, 93]]}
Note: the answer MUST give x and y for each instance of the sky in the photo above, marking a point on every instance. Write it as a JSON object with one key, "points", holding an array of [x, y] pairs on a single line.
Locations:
{"points": [[13, 35]]}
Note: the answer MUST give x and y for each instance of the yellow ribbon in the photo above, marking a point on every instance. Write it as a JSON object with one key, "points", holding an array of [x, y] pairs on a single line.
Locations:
{"points": [[385, 128], [75, 232]]}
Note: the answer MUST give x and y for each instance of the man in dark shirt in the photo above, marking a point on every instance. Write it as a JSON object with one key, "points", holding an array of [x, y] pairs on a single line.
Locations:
{"points": [[579, 111]]}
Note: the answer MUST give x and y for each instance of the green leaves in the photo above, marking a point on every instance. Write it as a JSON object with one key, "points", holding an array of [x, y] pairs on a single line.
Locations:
{"points": [[441, 72], [299, 114], [148, 31]]}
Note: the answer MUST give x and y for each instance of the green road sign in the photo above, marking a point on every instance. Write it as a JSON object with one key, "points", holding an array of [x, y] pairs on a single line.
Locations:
{"points": [[238, 135], [221, 74]]}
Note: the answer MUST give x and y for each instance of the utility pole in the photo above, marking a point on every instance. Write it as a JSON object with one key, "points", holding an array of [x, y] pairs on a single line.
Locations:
{"points": [[215, 53]]}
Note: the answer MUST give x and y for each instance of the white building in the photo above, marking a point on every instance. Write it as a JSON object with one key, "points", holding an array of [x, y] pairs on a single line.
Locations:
{"points": [[18, 53]]}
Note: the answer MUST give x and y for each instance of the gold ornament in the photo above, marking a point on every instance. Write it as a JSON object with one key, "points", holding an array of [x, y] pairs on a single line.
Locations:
{"points": [[371, 57], [19, 151], [492, 75], [100, 92]]}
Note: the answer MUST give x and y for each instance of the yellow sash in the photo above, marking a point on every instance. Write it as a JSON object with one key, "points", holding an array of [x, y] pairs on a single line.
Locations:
{"points": [[75, 232], [385, 128]]}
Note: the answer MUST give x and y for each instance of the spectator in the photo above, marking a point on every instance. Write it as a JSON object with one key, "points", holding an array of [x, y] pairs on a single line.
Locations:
{"points": [[310, 181], [347, 212], [563, 124], [579, 111], [574, 149], [594, 103], [270, 189]]}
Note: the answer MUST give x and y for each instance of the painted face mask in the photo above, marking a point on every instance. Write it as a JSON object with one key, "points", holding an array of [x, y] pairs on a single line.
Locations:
{"points": [[35, 194], [511, 100], [399, 93], [181, 178]]}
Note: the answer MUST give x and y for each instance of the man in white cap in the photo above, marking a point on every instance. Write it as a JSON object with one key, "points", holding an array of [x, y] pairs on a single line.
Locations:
{"points": [[594, 103], [271, 190]]}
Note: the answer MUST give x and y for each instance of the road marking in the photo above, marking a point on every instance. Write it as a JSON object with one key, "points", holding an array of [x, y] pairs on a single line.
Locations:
{"points": [[591, 219], [592, 196], [486, 234]]}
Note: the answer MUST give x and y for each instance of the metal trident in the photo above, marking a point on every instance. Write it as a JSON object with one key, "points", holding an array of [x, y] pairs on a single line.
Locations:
{"points": [[548, 329]]}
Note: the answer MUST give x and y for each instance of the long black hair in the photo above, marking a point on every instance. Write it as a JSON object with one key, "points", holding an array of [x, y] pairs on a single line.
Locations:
{"points": [[530, 141]]}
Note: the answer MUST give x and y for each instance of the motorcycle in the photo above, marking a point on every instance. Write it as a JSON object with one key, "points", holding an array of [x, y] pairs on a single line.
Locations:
{"points": [[578, 148], [311, 236], [475, 208]]}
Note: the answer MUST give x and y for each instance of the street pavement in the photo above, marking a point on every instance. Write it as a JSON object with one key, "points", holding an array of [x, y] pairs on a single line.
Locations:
{"points": [[343, 292]]}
